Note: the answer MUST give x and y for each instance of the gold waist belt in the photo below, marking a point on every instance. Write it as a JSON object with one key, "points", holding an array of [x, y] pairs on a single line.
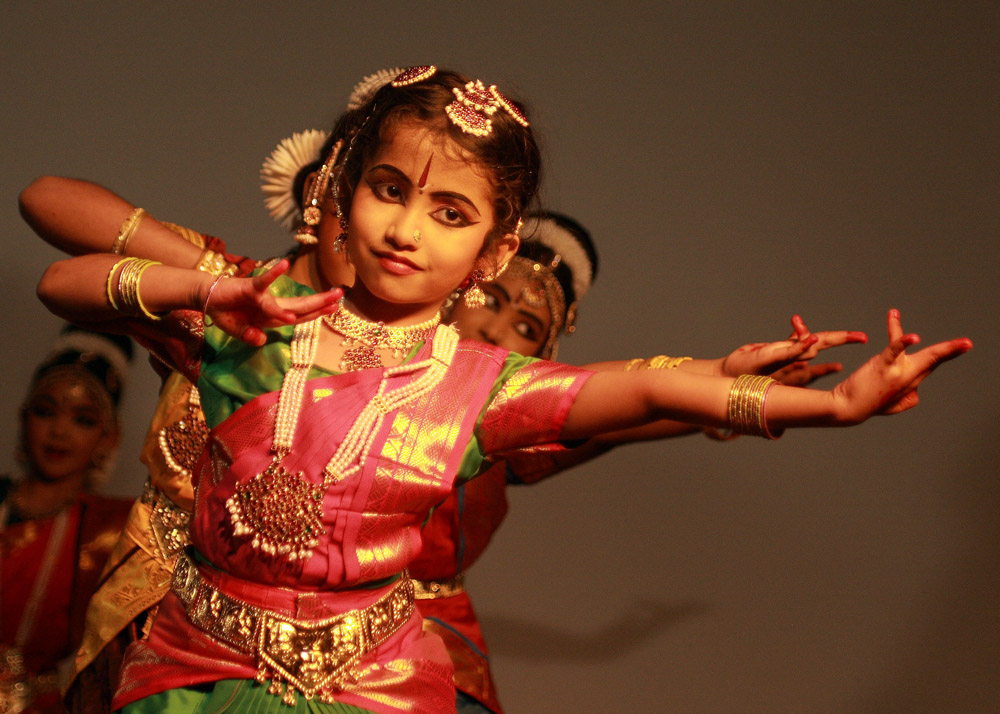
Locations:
{"points": [[18, 689], [433, 589], [313, 657]]}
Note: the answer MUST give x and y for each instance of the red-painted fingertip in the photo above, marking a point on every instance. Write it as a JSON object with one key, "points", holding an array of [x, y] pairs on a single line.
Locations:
{"points": [[911, 339], [855, 336], [894, 313], [964, 343], [810, 340]]}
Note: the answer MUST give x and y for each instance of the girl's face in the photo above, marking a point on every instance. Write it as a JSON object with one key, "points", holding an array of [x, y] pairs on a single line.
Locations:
{"points": [[66, 430], [419, 219], [506, 320]]}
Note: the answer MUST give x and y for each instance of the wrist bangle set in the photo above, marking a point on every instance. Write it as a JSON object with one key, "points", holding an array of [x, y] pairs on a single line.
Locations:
{"points": [[747, 399], [658, 362], [127, 230], [126, 287]]}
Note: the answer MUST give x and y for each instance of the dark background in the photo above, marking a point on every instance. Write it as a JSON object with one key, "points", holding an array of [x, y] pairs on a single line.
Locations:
{"points": [[736, 163]]}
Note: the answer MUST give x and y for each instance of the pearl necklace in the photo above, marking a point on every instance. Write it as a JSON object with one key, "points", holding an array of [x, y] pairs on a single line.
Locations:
{"points": [[363, 337], [281, 510]]}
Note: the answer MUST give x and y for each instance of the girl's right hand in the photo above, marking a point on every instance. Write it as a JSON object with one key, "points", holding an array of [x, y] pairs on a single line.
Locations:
{"points": [[245, 307], [887, 383]]}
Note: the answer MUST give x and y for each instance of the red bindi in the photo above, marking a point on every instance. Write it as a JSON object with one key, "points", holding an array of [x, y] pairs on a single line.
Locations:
{"points": [[423, 176]]}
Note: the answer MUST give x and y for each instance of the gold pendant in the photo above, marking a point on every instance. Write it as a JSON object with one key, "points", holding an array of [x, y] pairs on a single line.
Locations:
{"points": [[361, 357], [280, 510]]}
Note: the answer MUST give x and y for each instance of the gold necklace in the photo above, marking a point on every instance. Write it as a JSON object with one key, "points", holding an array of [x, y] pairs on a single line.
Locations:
{"points": [[363, 337], [279, 510]]}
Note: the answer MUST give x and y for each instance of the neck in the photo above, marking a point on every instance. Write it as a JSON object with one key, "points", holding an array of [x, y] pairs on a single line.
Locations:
{"points": [[305, 270], [362, 303], [37, 498]]}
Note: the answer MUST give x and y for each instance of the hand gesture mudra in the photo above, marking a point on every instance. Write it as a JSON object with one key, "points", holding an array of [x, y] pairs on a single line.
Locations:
{"points": [[245, 307]]}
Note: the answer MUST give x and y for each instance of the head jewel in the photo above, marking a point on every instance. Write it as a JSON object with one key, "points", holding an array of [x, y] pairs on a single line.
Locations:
{"points": [[104, 357], [568, 250]]}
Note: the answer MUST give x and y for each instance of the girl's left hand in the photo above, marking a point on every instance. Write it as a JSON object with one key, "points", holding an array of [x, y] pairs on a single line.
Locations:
{"points": [[887, 383], [788, 360]]}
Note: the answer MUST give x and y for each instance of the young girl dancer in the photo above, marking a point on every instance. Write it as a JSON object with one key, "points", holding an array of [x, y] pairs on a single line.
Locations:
{"points": [[332, 440]]}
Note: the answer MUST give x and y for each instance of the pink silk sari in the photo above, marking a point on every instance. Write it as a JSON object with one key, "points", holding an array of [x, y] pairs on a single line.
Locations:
{"points": [[372, 520]]}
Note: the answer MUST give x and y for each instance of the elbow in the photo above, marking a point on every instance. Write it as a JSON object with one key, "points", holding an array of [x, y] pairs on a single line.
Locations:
{"points": [[50, 287], [33, 199]]}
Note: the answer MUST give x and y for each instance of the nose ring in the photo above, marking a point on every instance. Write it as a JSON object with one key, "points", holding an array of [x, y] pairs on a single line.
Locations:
{"points": [[417, 236]]}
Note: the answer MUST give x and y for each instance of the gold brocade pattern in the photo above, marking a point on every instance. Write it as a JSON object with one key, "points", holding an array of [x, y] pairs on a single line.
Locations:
{"points": [[137, 574], [413, 459], [523, 406]]}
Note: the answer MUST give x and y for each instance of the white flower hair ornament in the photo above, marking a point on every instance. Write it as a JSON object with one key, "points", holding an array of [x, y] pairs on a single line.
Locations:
{"points": [[365, 89], [278, 172]]}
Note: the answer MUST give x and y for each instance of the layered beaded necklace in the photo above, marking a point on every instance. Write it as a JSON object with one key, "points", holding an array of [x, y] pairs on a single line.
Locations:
{"points": [[363, 337], [280, 510]]}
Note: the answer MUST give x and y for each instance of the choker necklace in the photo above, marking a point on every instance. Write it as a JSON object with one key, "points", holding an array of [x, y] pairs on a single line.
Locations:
{"points": [[363, 337]]}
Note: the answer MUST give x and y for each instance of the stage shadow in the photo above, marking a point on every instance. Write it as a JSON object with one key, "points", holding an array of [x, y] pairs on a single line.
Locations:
{"points": [[643, 621]]}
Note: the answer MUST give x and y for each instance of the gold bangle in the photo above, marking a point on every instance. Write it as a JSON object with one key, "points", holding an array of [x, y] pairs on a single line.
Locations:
{"points": [[634, 364], [129, 298], [111, 275], [127, 230], [665, 362], [747, 398], [138, 294]]}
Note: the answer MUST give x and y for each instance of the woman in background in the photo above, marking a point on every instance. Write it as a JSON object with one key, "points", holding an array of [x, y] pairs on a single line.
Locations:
{"points": [[55, 532]]}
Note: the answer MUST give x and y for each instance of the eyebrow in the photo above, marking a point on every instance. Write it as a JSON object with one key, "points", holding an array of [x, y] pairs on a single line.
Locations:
{"points": [[454, 195]]}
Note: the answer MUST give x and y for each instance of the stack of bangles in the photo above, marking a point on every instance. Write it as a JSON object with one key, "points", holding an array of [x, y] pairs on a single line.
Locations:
{"points": [[747, 398], [126, 287], [658, 362]]}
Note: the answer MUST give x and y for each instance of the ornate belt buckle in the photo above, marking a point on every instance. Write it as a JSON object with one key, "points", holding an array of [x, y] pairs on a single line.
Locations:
{"points": [[311, 657]]}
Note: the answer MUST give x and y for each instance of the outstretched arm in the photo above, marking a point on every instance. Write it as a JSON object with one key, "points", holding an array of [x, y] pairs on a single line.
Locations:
{"points": [[886, 384], [80, 218]]}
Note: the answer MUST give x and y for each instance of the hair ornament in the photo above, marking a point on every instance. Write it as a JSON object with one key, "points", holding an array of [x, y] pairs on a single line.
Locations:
{"points": [[365, 89], [472, 109], [412, 75], [509, 106], [277, 173], [567, 249]]}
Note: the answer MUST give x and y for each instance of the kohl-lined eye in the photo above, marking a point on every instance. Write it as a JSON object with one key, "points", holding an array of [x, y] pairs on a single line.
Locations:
{"points": [[42, 411], [386, 191], [526, 330], [87, 420], [449, 216]]}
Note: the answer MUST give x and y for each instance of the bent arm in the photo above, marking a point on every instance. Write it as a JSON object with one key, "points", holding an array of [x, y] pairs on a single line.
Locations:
{"points": [[76, 289], [80, 218]]}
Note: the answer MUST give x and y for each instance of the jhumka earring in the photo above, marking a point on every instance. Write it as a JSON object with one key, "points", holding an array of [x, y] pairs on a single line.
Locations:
{"points": [[312, 213], [474, 296]]}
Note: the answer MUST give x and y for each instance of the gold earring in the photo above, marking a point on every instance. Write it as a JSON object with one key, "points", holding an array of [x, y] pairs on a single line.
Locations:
{"points": [[474, 296]]}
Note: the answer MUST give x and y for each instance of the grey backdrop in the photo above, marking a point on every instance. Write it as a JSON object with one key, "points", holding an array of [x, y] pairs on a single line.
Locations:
{"points": [[736, 162]]}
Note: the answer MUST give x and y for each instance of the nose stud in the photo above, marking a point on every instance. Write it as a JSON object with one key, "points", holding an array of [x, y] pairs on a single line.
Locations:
{"points": [[417, 236]]}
